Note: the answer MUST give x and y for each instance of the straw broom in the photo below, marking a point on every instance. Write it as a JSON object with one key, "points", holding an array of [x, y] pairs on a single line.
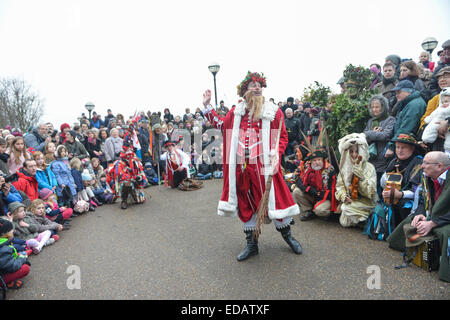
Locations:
{"points": [[261, 215]]}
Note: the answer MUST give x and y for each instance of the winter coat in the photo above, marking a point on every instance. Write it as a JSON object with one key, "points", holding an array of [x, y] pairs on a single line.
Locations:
{"points": [[96, 122], [4, 163], [13, 196], [432, 105], [410, 111], [28, 184], [78, 179], [45, 223], [381, 139], [27, 233], [10, 260], [90, 147], [46, 179], [35, 141], [113, 147], [63, 176], [77, 149]]}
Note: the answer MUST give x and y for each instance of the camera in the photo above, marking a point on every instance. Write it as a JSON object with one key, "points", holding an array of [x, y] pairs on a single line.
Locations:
{"points": [[53, 134], [11, 178]]}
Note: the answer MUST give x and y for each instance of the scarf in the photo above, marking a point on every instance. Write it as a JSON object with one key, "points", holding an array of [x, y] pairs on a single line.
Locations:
{"points": [[376, 120], [387, 82]]}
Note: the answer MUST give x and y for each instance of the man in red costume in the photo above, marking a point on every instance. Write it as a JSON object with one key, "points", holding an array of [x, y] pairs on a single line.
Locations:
{"points": [[126, 176], [250, 132]]}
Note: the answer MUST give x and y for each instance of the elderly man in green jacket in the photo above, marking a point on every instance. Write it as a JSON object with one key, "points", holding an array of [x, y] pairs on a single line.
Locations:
{"points": [[410, 109], [432, 215]]}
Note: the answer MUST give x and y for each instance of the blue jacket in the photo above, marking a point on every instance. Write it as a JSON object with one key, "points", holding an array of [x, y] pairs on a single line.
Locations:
{"points": [[96, 123], [12, 196], [78, 179], [63, 176], [10, 260], [46, 179]]}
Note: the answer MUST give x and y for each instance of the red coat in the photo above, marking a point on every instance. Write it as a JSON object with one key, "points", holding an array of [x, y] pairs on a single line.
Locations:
{"points": [[281, 203], [27, 184]]}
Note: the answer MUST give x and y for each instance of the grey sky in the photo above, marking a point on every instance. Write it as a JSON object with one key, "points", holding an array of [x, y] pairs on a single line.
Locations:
{"points": [[148, 55]]}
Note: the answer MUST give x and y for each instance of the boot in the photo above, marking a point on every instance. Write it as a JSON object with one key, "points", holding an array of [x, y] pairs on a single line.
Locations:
{"points": [[290, 240], [97, 201], [125, 192], [307, 216], [251, 249]]}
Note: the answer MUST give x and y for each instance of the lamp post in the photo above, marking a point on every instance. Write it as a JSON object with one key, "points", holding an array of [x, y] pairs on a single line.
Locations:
{"points": [[214, 68], [429, 44], [89, 107]]}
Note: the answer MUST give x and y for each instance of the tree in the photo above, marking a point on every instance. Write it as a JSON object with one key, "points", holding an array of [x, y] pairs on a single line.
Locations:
{"points": [[20, 106], [317, 94]]}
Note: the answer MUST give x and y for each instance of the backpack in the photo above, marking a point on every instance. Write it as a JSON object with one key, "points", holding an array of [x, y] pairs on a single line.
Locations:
{"points": [[380, 224]]}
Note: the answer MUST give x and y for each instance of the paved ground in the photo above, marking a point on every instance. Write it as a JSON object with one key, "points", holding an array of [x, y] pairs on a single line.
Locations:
{"points": [[176, 247]]}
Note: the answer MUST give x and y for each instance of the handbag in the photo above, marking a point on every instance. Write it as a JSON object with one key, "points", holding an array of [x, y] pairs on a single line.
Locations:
{"points": [[80, 205]]}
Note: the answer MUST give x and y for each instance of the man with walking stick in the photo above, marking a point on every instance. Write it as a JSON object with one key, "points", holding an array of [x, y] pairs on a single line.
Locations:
{"points": [[251, 130]]}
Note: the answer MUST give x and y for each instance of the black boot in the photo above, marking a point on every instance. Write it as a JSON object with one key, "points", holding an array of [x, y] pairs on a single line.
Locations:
{"points": [[307, 216], [124, 196], [290, 240], [251, 249]]}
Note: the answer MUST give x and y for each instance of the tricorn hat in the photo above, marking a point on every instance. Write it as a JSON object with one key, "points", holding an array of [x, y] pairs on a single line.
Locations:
{"points": [[412, 239]]}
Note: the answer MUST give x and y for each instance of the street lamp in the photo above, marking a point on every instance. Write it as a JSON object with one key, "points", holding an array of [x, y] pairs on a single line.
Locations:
{"points": [[89, 107], [214, 68], [429, 44]]}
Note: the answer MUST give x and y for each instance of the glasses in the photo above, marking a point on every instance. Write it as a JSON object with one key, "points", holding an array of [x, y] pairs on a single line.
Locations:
{"points": [[428, 163]]}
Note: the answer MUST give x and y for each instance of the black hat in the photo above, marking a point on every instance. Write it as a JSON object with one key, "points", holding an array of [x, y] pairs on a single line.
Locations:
{"points": [[5, 226], [319, 153], [411, 140], [290, 99]]}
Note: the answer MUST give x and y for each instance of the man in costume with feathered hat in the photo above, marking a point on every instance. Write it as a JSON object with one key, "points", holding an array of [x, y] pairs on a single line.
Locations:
{"points": [[126, 176], [250, 132], [315, 185], [177, 164]]}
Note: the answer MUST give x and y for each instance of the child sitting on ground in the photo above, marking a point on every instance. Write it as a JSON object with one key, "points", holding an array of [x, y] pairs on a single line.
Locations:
{"points": [[109, 193], [61, 215], [13, 265], [37, 208], [75, 165], [26, 228]]}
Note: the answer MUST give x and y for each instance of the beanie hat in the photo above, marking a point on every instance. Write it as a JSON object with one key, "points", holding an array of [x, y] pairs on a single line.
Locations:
{"points": [[290, 99], [86, 176], [45, 193], [5, 226], [13, 206], [394, 58], [63, 126]]}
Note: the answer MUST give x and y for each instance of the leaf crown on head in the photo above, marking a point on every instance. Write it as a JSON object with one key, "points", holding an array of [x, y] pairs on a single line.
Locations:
{"points": [[358, 76], [250, 77]]}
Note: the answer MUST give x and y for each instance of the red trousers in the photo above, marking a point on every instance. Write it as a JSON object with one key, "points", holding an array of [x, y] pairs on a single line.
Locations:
{"points": [[19, 274]]}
